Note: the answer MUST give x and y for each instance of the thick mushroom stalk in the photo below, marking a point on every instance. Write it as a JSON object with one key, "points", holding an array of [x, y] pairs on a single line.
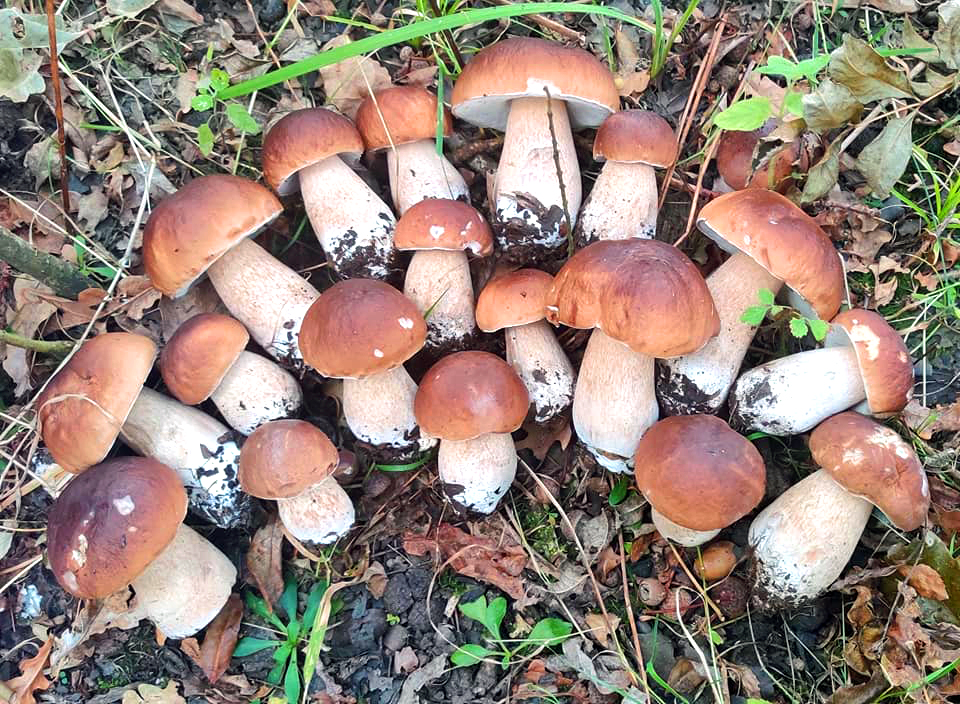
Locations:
{"points": [[688, 537], [321, 514], [417, 172], [256, 390], [477, 473], [439, 281], [622, 204], [533, 351]]}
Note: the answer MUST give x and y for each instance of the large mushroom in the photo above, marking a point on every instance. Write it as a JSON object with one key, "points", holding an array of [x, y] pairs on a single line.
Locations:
{"points": [[516, 303], [120, 523], [772, 243], [699, 477], [646, 299], [205, 227], [864, 359], [803, 540], [311, 150], [536, 92], [402, 120], [472, 401]]}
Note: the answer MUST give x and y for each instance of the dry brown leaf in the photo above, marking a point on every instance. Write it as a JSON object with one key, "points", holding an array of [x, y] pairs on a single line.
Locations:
{"points": [[32, 312], [264, 560], [376, 579], [597, 625], [151, 694], [926, 421], [186, 88], [31, 678], [347, 83], [138, 295], [134, 295], [181, 9], [318, 7], [92, 208], [111, 160], [925, 580], [541, 437], [213, 657], [632, 82]]}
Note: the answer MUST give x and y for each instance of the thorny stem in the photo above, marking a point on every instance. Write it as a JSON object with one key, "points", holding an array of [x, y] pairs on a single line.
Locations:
{"points": [[556, 163], [54, 348], [58, 99]]}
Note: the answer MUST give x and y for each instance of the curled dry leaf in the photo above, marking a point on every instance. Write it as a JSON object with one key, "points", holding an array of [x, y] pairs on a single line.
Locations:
{"points": [[264, 560], [926, 581], [883, 161], [213, 657], [947, 36], [151, 694], [598, 626], [32, 312], [347, 83], [865, 73], [542, 436], [31, 677]]}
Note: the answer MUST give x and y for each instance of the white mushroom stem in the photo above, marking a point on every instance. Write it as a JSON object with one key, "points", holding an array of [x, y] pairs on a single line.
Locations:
{"points": [[417, 172], [322, 514], [200, 448], [688, 537], [477, 473], [354, 226], [439, 282], [794, 394], [379, 410], [535, 354], [185, 587], [622, 204], [256, 390], [803, 540], [614, 401], [267, 296], [700, 382]]}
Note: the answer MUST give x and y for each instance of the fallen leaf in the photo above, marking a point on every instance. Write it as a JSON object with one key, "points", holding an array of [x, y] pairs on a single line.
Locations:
{"points": [[822, 176], [128, 8], [18, 29], [264, 560], [347, 83], [896, 6], [865, 73], [911, 39], [43, 160], [137, 295], [31, 313], [376, 579], [19, 74], [632, 83], [860, 693], [597, 626], [831, 105], [119, 610], [926, 581], [883, 161], [151, 694], [92, 208], [866, 244], [213, 657], [186, 89], [31, 677], [947, 36], [541, 437]]}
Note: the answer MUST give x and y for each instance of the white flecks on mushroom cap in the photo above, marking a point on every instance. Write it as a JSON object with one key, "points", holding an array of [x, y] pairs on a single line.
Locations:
{"points": [[854, 456], [124, 506], [79, 553], [405, 323], [862, 333], [70, 579], [884, 437], [378, 353]]}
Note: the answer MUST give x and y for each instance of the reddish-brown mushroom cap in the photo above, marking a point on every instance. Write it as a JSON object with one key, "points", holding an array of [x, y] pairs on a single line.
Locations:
{"points": [[360, 327], [199, 354], [735, 162], [516, 298], [303, 138], [283, 458], [873, 462], [84, 405], [636, 137], [782, 239], [439, 223], [698, 472], [111, 522], [468, 394], [644, 293], [399, 115], [191, 229]]}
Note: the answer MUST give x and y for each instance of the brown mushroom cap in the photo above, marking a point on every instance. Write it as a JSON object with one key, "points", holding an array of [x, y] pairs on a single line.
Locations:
{"points": [[84, 405], [199, 354], [469, 394], [636, 137], [440, 223], [399, 115], [191, 229], [111, 522], [303, 138], [360, 327], [516, 298], [283, 458], [782, 239], [523, 68], [873, 462], [884, 360], [735, 162], [698, 472], [644, 293]]}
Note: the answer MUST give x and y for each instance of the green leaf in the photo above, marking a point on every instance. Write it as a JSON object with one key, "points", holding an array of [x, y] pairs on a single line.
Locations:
{"points": [[822, 176], [793, 102], [780, 66], [469, 654], [293, 631], [745, 115], [883, 161], [313, 603], [494, 616], [716, 637], [766, 296], [249, 645], [219, 80], [241, 119], [809, 68], [775, 311], [865, 73], [619, 491], [754, 315], [283, 652], [798, 327], [205, 139], [409, 466], [291, 683], [260, 608], [288, 599], [276, 674], [476, 610], [819, 328], [549, 631], [201, 102]]}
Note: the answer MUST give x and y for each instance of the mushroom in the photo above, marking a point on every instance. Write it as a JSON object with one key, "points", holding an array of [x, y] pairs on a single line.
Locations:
{"points": [[516, 303], [206, 358], [772, 242], [803, 540], [472, 401], [362, 331], [536, 92], [403, 121], [864, 358], [438, 278], [735, 159], [699, 477], [120, 523], [293, 462], [646, 299], [624, 199], [205, 227], [310, 150]]}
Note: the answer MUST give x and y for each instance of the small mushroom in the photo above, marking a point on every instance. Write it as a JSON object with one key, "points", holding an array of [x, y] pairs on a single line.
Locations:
{"points": [[737, 151]]}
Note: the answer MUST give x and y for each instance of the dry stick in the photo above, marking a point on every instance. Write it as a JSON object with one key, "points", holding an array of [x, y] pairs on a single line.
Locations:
{"points": [[692, 216], [57, 273], [58, 100], [41, 346], [556, 163], [630, 617]]}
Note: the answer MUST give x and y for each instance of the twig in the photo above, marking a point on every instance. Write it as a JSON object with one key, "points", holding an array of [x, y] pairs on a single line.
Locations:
{"points": [[58, 108], [57, 273], [55, 348], [556, 163], [550, 25], [630, 617]]}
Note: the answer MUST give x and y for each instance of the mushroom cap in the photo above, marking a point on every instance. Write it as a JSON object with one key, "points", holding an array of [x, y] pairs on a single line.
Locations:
{"points": [[884, 360], [283, 458], [515, 298], [303, 138], [84, 405], [643, 293], [191, 229], [440, 223], [871, 461], [199, 354], [698, 472], [636, 137], [360, 327], [468, 394], [523, 68], [735, 162], [782, 239], [110, 522], [400, 115]]}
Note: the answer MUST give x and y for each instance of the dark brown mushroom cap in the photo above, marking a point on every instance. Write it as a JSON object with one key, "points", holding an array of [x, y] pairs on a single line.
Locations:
{"points": [[199, 354], [698, 472], [111, 522], [283, 458], [516, 298], [636, 137], [641, 292], [468, 394], [440, 223], [873, 462], [84, 405], [360, 327], [399, 115]]}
